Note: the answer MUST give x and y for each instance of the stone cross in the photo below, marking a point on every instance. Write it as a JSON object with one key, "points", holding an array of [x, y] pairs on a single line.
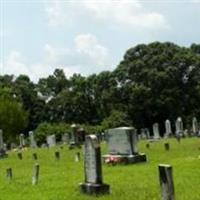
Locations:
{"points": [[179, 127], [33, 143], [166, 182], [156, 131], [93, 170], [168, 129], [195, 127]]}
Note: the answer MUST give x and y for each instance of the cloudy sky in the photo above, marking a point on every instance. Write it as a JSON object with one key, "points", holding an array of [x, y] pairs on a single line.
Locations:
{"points": [[87, 36]]}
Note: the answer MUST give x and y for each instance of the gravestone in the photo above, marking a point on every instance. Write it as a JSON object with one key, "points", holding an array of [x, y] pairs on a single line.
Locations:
{"points": [[166, 182], [2, 149], [143, 134], [122, 145], [33, 143], [168, 129], [156, 132], [73, 136], [51, 140], [21, 140], [9, 174], [195, 127], [93, 170], [35, 175], [65, 138], [179, 127], [77, 157], [147, 133]]}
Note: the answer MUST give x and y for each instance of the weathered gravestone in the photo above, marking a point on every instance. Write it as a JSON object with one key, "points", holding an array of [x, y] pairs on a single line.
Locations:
{"points": [[122, 145], [93, 170], [65, 138], [168, 129], [179, 127], [195, 127], [33, 143], [2, 149], [156, 132], [166, 182], [21, 140], [51, 140]]}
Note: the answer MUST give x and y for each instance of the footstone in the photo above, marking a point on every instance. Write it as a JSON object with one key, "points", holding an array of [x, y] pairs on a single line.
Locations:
{"points": [[147, 145], [93, 184], [166, 182], [77, 157], [34, 156], [57, 155], [19, 155]]}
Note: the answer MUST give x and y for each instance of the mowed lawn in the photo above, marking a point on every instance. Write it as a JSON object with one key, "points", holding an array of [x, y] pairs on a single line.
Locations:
{"points": [[59, 180]]}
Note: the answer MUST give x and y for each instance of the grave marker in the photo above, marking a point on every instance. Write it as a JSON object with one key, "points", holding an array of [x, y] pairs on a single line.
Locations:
{"points": [[35, 176], [93, 170], [9, 174], [166, 182], [156, 131], [122, 145]]}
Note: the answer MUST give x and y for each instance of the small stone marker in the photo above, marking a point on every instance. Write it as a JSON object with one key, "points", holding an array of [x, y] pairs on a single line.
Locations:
{"points": [[34, 156], [33, 143], [195, 127], [51, 140], [147, 145], [166, 182], [21, 140], [2, 149], [168, 129], [35, 176], [93, 170], [156, 131], [179, 127], [167, 146], [19, 155], [57, 155], [77, 157], [9, 174]]}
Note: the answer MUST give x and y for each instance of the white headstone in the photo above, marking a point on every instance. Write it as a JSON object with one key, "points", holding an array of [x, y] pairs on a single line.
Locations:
{"points": [[195, 127], [168, 129], [156, 131], [33, 143], [51, 140], [179, 127]]}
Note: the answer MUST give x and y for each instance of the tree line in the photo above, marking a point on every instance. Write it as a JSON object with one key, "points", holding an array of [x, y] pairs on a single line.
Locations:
{"points": [[152, 83]]}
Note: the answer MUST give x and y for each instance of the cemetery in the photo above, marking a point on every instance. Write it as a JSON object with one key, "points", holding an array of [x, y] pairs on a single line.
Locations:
{"points": [[99, 100]]}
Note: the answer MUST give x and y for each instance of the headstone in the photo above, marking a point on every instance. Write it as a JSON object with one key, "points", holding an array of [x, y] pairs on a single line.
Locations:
{"points": [[35, 176], [166, 182], [156, 131], [142, 133], [2, 150], [93, 170], [147, 133], [179, 127], [122, 145], [21, 140], [33, 143], [168, 129], [195, 127], [51, 140], [65, 138], [9, 174], [73, 136]]}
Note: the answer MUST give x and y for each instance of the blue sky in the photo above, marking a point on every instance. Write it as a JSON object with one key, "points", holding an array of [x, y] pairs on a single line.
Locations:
{"points": [[87, 36]]}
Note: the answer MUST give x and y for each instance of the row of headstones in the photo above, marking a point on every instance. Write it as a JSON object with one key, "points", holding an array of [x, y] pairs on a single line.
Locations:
{"points": [[145, 133]]}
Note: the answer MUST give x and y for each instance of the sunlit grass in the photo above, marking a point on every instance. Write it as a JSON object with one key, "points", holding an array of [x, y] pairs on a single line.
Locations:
{"points": [[59, 180]]}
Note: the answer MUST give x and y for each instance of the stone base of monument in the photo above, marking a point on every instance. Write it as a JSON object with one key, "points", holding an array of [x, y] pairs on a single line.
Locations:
{"points": [[3, 154], [94, 189], [127, 159]]}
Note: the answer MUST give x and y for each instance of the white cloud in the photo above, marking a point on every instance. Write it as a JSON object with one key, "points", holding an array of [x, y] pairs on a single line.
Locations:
{"points": [[131, 14], [54, 54], [87, 44]]}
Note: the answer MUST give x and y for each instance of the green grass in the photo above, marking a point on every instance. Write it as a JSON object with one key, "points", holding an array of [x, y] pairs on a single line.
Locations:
{"points": [[59, 180]]}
